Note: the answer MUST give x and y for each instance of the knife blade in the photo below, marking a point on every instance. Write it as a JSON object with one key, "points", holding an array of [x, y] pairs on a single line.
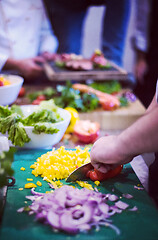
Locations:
{"points": [[80, 173]]}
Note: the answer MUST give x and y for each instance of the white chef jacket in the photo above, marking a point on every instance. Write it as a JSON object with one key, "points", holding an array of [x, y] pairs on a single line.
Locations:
{"points": [[25, 30]]}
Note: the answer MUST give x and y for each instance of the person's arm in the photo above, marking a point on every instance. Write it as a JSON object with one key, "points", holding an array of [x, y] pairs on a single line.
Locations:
{"points": [[140, 137], [28, 68]]}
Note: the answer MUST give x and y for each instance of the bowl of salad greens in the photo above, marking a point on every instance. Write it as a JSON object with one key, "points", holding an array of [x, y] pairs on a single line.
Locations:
{"points": [[34, 126]]}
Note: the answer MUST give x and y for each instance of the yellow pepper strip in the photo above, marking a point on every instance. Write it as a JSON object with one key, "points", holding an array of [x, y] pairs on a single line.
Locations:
{"points": [[58, 183], [29, 179], [22, 169], [50, 191], [97, 183], [20, 189], [74, 117], [53, 183], [30, 185], [39, 183], [85, 185]]}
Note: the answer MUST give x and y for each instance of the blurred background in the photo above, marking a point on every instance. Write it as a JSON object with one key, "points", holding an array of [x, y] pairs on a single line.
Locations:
{"points": [[92, 34]]}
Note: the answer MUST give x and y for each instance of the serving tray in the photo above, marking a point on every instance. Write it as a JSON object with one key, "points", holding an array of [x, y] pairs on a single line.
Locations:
{"points": [[141, 224], [61, 74]]}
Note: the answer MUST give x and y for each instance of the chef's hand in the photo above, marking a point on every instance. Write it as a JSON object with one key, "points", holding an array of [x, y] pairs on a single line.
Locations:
{"points": [[107, 153], [31, 68], [48, 56]]}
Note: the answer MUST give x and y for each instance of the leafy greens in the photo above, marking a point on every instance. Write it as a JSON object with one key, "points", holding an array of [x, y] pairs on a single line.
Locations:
{"points": [[12, 122]]}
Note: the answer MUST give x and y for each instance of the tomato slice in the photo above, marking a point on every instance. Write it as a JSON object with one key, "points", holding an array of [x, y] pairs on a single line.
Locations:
{"points": [[108, 106], [41, 97], [21, 92], [36, 102], [86, 131], [96, 175]]}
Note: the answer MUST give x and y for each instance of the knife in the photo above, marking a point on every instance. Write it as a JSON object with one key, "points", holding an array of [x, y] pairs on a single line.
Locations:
{"points": [[80, 173]]}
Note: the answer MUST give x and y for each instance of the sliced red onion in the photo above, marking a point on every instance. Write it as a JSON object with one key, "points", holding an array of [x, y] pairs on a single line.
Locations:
{"points": [[96, 189], [34, 207], [31, 212], [53, 219], [116, 229], [51, 186], [139, 188], [36, 193], [20, 210], [121, 205], [32, 198], [84, 227], [115, 210], [74, 210], [127, 195], [112, 197], [104, 208], [69, 222], [133, 209]]}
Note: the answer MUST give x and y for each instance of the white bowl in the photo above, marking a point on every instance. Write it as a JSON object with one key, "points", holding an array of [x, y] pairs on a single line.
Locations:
{"points": [[43, 140], [9, 93]]}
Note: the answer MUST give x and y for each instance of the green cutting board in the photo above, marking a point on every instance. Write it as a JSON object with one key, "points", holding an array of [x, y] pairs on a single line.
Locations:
{"points": [[142, 224]]}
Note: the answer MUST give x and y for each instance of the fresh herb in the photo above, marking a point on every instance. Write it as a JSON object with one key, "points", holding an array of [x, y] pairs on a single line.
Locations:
{"points": [[18, 135], [123, 101], [70, 97], [45, 127], [60, 64], [107, 87], [41, 115], [47, 92], [17, 109]]}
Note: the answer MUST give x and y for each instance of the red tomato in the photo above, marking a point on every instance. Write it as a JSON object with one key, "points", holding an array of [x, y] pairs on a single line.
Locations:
{"points": [[36, 102], [93, 176], [1, 84], [22, 92], [86, 131], [88, 174], [108, 106], [41, 97], [96, 54], [96, 175]]}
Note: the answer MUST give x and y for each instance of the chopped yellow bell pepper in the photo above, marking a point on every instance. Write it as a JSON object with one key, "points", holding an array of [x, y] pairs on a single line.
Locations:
{"points": [[22, 169], [30, 185]]}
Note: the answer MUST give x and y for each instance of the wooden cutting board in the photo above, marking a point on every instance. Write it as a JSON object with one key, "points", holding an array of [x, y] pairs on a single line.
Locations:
{"points": [[118, 119]]}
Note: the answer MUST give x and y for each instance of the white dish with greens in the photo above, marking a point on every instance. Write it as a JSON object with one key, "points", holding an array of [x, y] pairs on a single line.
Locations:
{"points": [[34, 126]]}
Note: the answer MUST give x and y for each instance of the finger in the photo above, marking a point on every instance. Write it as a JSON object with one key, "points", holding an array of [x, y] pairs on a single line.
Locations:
{"points": [[39, 59], [48, 56], [104, 168], [38, 68]]}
